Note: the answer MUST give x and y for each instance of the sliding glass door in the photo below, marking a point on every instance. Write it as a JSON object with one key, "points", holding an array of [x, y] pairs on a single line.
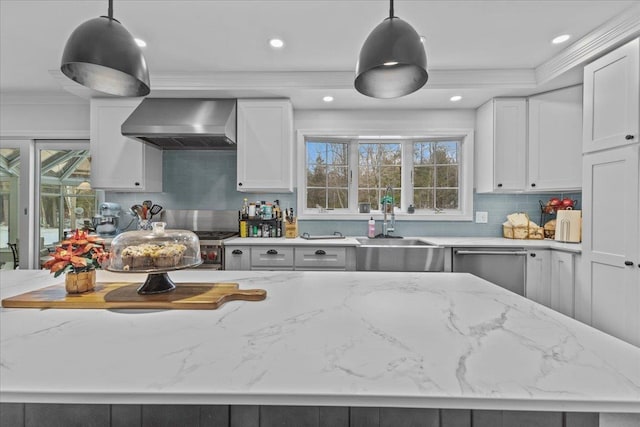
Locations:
{"points": [[10, 162], [45, 192], [65, 199]]}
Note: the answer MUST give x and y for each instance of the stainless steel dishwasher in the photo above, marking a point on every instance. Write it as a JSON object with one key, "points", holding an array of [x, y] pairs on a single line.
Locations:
{"points": [[505, 267]]}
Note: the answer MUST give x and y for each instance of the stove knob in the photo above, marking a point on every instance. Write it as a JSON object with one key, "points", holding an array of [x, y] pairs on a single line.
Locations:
{"points": [[212, 255]]}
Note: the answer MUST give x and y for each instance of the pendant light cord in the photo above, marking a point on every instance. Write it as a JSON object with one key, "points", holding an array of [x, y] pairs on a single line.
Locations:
{"points": [[390, 8], [110, 10]]}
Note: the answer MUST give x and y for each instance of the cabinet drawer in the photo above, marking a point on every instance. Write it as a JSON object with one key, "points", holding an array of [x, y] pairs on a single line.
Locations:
{"points": [[265, 256], [320, 258], [237, 258]]}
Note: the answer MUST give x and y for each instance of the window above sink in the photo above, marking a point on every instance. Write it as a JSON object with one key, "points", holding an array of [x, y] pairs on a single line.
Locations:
{"points": [[346, 177]]}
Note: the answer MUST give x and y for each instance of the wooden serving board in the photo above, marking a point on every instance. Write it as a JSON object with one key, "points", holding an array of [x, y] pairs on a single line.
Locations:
{"points": [[186, 296]]}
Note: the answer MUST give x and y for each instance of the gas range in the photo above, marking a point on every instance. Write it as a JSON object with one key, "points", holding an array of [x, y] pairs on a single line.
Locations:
{"points": [[212, 229], [212, 247], [214, 238]]}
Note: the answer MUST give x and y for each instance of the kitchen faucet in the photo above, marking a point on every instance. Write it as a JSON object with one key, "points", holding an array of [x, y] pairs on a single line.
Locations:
{"points": [[386, 200]]}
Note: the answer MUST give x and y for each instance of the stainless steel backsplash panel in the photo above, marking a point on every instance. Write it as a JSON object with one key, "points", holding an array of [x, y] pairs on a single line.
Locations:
{"points": [[201, 220]]}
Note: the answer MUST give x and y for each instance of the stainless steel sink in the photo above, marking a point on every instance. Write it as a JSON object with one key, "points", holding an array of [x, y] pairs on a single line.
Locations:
{"points": [[398, 255], [391, 242]]}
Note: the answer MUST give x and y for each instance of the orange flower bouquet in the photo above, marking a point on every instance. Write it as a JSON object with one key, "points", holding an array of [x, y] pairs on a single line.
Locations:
{"points": [[79, 256]]}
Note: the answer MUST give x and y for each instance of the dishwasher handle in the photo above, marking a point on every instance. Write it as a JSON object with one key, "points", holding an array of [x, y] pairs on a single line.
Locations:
{"points": [[462, 252]]}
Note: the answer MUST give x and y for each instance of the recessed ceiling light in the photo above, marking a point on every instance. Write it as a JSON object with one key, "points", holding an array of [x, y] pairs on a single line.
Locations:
{"points": [[561, 39], [328, 98], [276, 43], [455, 98], [141, 42], [389, 64]]}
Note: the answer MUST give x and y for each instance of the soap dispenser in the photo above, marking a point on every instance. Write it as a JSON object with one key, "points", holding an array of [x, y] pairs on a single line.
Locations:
{"points": [[372, 228]]}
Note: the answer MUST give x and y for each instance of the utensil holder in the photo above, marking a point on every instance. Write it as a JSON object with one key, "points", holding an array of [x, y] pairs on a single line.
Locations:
{"points": [[145, 224], [291, 229]]}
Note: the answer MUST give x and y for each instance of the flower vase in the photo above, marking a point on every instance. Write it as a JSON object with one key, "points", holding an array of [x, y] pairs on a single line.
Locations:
{"points": [[77, 283]]}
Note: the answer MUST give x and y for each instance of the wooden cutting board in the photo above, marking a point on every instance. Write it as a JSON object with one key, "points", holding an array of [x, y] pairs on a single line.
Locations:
{"points": [[186, 296]]}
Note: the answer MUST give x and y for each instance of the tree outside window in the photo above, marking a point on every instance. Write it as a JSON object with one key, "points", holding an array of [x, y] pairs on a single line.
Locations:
{"points": [[379, 167], [327, 175], [436, 175]]}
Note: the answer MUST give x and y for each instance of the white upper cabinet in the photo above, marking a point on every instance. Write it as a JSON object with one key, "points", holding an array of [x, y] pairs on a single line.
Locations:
{"points": [[118, 162], [612, 99], [265, 145], [555, 140], [501, 144]]}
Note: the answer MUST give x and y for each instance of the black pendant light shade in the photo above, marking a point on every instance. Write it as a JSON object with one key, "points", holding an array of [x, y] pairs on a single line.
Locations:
{"points": [[392, 61], [102, 55]]}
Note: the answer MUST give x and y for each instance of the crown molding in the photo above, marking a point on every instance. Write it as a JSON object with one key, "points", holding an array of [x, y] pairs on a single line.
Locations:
{"points": [[314, 80], [608, 36]]}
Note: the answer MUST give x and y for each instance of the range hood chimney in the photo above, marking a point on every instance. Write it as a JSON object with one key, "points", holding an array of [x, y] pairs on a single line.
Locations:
{"points": [[184, 123]]}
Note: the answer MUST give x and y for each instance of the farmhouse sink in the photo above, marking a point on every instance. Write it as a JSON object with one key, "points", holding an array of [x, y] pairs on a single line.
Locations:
{"points": [[398, 255]]}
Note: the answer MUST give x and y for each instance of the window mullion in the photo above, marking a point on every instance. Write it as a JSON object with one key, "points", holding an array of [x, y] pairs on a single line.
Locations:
{"points": [[354, 171], [406, 193]]}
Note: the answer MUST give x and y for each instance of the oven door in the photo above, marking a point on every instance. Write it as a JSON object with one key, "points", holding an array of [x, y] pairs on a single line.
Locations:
{"points": [[212, 257]]}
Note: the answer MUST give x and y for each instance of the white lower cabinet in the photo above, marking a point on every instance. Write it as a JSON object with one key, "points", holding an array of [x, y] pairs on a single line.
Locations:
{"points": [[237, 258], [324, 258], [538, 286], [562, 282], [279, 257], [611, 242], [552, 278], [271, 258]]}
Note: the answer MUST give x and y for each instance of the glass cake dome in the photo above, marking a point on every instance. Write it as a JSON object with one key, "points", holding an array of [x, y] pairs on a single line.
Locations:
{"points": [[156, 252]]}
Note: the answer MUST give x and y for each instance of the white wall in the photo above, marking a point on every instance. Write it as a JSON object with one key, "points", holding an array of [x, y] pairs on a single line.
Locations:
{"points": [[57, 116]]}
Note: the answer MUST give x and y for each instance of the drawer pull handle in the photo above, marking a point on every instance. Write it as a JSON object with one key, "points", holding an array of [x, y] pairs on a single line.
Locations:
{"points": [[533, 184], [320, 252], [272, 252], [236, 252], [628, 137], [532, 255], [499, 185], [628, 263]]}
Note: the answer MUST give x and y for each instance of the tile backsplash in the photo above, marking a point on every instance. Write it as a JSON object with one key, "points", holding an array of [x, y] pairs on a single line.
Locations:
{"points": [[207, 180]]}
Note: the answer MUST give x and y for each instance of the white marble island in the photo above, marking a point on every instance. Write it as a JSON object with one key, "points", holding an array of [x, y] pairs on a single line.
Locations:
{"points": [[434, 340]]}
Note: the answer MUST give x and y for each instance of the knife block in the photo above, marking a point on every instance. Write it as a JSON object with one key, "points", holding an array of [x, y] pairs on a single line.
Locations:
{"points": [[291, 229]]}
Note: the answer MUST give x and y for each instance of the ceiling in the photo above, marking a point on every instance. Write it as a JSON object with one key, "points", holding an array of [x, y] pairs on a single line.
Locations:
{"points": [[475, 48]]}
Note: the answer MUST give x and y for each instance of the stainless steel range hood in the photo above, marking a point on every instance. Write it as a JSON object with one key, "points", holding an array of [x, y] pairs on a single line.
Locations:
{"points": [[184, 123]]}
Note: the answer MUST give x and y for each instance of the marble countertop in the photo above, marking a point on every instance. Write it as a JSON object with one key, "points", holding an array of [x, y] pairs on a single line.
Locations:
{"points": [[446, 340], [442, 241]]}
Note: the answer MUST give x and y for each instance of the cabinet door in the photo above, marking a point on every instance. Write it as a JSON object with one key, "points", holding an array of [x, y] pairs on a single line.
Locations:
{"points": [[265, 145], [611, 236], [538, 287], [510, 141], [562, 282], [237, 258], [612, 98], [555, 140], [118, 162]]}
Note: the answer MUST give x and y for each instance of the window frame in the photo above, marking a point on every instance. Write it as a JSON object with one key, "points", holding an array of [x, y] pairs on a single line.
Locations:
{"points": [[407, 139]]}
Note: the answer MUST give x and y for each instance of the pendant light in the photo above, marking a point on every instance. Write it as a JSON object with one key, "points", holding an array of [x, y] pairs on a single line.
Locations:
{"points": [[102, 55], [392, 61]]}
